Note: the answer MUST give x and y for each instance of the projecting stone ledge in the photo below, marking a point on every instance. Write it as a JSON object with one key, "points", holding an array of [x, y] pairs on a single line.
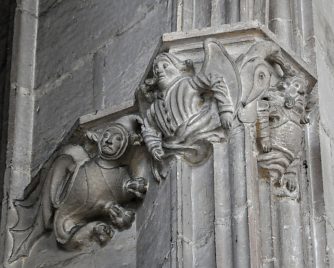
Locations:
{"points": [[199, 121]]}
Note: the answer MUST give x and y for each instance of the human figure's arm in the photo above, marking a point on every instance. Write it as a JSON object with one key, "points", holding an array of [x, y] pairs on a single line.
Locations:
{"points": [[224, 102], [153, 140], [263, 129], [221, 94]]}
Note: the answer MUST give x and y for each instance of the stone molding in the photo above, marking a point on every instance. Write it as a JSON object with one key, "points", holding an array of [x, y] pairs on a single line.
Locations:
{"points": [[201, 91]]}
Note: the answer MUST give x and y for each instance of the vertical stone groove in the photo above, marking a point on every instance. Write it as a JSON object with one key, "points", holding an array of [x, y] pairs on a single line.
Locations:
{"points": [[21, 120], [280, 20]]}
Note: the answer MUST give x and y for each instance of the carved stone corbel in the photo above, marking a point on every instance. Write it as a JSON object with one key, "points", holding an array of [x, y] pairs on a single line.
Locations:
{"points": [[82, 199], [275, 98], [282, 116], [248, 106], [184, 111]]}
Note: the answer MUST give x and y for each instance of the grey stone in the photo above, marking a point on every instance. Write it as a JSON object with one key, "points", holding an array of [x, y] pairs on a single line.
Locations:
{"points": [[98, 24], [261, 196], [71, 95]]}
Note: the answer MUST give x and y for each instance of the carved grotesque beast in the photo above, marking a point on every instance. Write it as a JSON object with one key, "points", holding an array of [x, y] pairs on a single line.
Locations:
{"points": [[282, 113], [83, 199]]}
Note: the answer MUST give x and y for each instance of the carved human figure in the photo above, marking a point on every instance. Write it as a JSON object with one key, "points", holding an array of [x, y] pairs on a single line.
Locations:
{"points": [[187, 108], [84, 198], [281, 115], [88, 205]]}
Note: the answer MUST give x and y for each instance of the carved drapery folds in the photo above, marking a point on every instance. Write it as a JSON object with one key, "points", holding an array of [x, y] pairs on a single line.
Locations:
{"points": [[184, 111], [187, 102]]}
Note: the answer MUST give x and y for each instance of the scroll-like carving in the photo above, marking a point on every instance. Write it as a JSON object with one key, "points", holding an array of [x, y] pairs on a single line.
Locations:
{"points": [[274, 96], [258, 74], [83, 198], [183, 111], [282, 113]]}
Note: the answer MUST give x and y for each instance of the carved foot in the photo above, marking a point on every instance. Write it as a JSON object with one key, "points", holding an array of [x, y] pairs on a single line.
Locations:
{"points": [[137, 187], [102, 233], [96, 231], [120, 217], [290, 184], [287, 187]]}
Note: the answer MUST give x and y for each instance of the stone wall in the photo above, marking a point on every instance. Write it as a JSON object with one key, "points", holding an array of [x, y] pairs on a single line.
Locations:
{"points": [[85, 57], [6, 31], [324, 37], [90, 56], [71, 58]]}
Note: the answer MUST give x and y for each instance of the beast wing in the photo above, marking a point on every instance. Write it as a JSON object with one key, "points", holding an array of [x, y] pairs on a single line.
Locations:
{"points": [[218, 63], [29, 226], [34, 211]]}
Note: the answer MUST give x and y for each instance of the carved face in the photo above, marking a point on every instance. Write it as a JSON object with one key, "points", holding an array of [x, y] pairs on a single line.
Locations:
{"points": [[295, 94], [113, 142], [166, 72]]}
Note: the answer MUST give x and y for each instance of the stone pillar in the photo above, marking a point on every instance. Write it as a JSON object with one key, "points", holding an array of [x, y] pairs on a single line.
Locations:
{"points": [[195, 215], [186, 152], [281, 21], [223, 206]]}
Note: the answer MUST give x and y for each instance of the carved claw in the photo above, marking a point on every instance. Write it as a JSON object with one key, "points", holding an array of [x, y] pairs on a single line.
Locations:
{"points": [[287, 187], [120, 217], [226, 120], [290, 184], [102, 233], [304, 120], [266, 145], [137, 186]]}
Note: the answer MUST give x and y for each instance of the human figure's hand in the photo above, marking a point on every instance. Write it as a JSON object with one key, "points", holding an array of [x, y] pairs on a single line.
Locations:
{"points": [[137, 187], [226, 120], [265, 145], [158, 153]]}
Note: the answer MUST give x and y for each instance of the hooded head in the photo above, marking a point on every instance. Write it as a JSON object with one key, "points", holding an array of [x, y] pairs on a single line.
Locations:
{"points": [[112, 143], [167, 68]]}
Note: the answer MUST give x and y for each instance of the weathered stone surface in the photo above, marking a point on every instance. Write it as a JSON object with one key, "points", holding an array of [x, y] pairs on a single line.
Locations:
{"points": [[87, 69], [83, 56], [130, 49], [154, 228], [58, 106], [122, 251], [324, 36], [85, 26]]}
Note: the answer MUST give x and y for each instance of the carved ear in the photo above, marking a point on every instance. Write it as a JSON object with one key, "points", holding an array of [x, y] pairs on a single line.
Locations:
{"points": [[151, 81], [92, 136], [281, 85], [311, 102]]}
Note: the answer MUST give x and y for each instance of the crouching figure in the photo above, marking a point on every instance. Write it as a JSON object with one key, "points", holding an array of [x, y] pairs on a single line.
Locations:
{"points": [[84, 199], [88, 194]]}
